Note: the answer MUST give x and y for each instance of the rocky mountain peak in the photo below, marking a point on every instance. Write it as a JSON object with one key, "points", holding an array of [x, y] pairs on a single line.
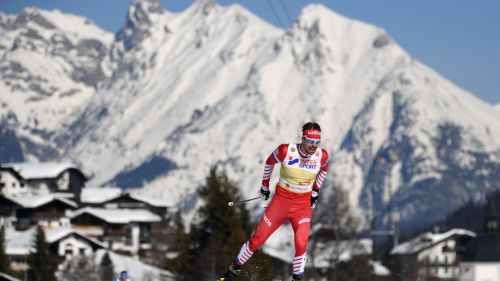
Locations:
{"points": [[32, 15], [140, 18]]}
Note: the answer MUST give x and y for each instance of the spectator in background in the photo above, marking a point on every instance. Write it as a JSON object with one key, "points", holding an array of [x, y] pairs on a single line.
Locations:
{"points": [[124, 276]]}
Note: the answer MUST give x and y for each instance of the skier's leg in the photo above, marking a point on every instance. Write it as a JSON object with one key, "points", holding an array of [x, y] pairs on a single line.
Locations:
{"points": [[274, 216], [301, 223], [270, 221]]}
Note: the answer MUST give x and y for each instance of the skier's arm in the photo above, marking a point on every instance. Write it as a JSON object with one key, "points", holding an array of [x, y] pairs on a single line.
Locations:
{"points": [[276, 157], [320, 178], [325, 160]]}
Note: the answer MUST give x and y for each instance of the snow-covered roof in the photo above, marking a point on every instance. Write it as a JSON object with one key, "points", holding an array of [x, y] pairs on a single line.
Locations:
{"points": [[96, 195], [21, 242], [151, 201], [55, 234], [34, 201], [40, 170], [12, 171], [121, 216], [428, 239]]}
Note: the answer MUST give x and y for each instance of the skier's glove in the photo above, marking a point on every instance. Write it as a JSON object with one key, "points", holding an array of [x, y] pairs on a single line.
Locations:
{"points": [[314, 198], [264, 192]]}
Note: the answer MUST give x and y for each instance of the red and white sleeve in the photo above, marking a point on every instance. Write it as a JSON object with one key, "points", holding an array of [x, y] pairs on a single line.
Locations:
{"points": [[276, 157], [325, 160]]}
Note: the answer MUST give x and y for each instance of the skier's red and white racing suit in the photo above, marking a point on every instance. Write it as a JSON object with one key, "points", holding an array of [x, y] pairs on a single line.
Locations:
{"points": [[300, 174]]}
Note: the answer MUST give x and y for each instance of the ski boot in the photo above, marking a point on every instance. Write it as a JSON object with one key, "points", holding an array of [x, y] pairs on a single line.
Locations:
{"points": [[231, 274], [296, 277]]}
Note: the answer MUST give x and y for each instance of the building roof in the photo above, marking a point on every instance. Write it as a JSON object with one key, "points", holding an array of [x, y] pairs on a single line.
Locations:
{"points": [[485, 248], [35, 201], [151, 201], [118, 216], [98, 195], [45, 170], [21, 242], [12, 172], [57, 234], [428, 239]]}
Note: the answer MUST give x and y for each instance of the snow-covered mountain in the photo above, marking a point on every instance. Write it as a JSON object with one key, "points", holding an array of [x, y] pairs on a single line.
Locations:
{"points": [[180, 92], [51, 64]]}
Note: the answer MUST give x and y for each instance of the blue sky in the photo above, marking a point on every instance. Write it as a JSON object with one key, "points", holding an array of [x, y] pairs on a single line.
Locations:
{"points": [[458, 38]]}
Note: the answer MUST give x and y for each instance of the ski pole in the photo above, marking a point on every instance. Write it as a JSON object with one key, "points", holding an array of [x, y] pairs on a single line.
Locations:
{"points": [[231, 204]]}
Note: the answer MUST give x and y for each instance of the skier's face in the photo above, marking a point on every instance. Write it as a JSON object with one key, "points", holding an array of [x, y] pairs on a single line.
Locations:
{"points": [[310, 145]]}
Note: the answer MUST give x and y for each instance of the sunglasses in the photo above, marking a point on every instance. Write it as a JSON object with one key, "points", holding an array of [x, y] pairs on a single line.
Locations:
{"points": [[312, 141]]}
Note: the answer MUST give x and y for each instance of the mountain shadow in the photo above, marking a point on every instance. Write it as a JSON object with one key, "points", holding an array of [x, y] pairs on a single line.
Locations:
{"points": [[10, 147], [146, 172]]}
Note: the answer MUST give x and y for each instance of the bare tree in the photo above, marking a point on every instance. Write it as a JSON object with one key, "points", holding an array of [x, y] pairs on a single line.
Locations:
{"points": [[79, 268], [337, 235]]}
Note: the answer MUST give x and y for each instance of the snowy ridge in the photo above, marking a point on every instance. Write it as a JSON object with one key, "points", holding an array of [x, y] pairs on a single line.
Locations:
{"points": [[51, 64], [181, 92]]}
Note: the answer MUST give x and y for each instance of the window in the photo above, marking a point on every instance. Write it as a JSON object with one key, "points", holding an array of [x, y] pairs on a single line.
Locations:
{"points": [[82, 251], [447, 249], [68, 250], [18, 259], [492, 225]]}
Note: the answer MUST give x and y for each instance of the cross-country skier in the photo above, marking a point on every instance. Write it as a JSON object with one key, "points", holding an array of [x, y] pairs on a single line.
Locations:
{"points": [[303, 169]]}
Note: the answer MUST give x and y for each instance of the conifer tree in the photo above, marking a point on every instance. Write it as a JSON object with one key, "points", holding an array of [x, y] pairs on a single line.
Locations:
{"points": [[217, 233], [106, 267], [180, 264], [4, 260], [42, 266], [219, 230]]}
